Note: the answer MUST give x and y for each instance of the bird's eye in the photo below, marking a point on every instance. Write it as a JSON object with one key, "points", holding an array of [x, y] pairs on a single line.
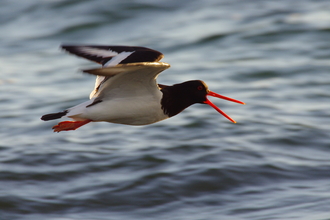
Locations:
{"points": [[200, 87]]}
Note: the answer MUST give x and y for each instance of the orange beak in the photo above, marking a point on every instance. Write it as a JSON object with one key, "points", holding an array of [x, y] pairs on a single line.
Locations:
{"points": [[221, 97]]}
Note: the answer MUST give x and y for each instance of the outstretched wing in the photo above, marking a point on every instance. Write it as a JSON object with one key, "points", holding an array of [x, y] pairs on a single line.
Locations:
{"points": [[129, 80], [111, 56]]}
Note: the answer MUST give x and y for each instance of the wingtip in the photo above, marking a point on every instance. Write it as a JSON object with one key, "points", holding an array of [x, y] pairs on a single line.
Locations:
{"points": [[66, 47], [63, 46]]}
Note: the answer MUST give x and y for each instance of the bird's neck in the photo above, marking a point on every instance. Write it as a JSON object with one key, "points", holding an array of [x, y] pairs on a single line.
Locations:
{"points": [[175, 99]]}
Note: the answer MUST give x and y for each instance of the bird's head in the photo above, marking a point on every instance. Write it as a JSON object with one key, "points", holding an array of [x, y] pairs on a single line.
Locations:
{"points": [[198, 92]]}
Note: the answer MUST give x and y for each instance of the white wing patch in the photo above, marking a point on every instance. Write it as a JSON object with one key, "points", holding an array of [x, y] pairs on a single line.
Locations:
{"points": [[98, 52], [118, 58], [113, 62]]}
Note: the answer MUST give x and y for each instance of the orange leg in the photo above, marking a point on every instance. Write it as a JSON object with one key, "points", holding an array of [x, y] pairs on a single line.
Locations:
{"points": [[69, 125]]}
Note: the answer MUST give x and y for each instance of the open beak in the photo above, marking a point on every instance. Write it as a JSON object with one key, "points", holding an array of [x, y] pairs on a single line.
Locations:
{"points": [[221, 97]]}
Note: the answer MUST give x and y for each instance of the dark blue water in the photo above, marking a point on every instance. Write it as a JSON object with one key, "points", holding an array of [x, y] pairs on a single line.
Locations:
{"points": [[273, 164]]}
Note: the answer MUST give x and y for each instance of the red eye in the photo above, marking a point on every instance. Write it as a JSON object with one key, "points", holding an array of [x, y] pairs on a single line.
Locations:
{"points": [[200, 87]]}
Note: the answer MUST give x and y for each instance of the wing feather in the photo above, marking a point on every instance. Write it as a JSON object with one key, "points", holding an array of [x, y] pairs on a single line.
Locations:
{"points": [[104, 54], [133, 79], [111, 56]]}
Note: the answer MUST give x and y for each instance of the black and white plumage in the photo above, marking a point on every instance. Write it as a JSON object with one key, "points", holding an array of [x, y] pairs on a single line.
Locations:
{"points": [[126, 91]]}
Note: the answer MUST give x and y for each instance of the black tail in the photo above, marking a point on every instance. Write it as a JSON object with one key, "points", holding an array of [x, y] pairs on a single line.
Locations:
{"points": [[53, 116]]}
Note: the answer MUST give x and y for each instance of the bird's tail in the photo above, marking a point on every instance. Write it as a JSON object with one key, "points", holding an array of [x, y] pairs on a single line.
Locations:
{"points": [[53, 116]]}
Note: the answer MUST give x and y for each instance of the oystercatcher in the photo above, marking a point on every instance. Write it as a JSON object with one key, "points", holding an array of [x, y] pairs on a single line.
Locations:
{"points": [[126, 91]]}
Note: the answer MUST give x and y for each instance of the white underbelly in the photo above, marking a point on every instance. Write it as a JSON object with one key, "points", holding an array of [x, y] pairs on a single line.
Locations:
{"points": [[126, 111]]}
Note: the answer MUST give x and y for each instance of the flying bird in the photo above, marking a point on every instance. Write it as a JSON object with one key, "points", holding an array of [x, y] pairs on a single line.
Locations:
{"points": [[126, 90]]}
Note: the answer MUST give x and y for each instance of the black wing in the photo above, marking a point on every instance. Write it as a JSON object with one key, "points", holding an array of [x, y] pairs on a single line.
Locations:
{"points": [[113, 55]]}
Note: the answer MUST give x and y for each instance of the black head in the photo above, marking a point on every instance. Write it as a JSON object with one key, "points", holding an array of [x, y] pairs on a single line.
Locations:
{"points": [[180, 96], [194, 91]]}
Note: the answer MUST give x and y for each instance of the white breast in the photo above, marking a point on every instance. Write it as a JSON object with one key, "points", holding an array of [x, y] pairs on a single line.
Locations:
{"points": [[131, 111]]}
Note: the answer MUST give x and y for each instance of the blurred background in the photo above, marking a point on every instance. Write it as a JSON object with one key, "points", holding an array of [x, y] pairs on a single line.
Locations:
{"points": [[273, 164]]}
